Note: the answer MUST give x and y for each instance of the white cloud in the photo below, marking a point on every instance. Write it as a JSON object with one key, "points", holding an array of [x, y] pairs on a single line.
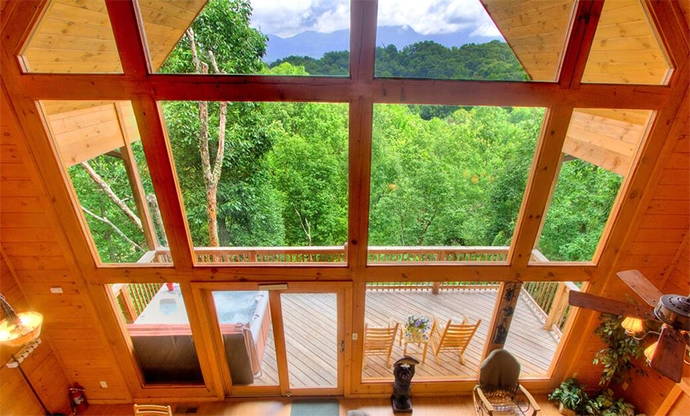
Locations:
{"points": [[288, 17]]}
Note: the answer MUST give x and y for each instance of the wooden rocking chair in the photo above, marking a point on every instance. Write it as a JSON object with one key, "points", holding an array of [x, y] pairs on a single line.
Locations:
{"points": [[379, 341], [499, 391], [453, 336]]}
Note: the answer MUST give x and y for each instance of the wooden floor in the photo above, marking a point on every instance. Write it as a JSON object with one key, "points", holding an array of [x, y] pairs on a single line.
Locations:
{"points": [[310, 321], [422, 406]]}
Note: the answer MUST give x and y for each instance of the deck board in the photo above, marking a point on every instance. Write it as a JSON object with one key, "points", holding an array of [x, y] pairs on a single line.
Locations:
{"points": [[308, 338]]}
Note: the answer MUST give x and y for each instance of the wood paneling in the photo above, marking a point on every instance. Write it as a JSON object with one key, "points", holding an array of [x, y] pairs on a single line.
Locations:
{"points": [[624, 36], [76, 36], [658, 247], [41, 367], [41, 233], [39, 254], [536, 31], [83, 134]]}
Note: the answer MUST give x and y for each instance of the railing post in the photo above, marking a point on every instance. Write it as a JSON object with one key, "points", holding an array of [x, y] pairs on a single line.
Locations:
{"points": [[129, 312], [435, 288], [560, 302]]}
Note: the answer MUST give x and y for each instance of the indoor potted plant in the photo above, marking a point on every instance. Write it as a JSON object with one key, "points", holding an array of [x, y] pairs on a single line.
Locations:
{"points": [[571, 397]]}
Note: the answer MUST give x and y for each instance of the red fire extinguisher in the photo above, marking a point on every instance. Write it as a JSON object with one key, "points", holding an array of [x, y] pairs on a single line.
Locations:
{"points": [[77, 399]]}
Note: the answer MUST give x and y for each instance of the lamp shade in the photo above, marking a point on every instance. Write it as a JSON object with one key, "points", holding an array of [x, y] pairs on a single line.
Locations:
{"points": [[26, 328], [649, 351], [633, 326]]}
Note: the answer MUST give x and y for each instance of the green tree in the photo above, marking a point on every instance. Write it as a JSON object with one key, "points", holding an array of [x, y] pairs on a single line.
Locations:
{"points": [[309, 169], [219, 41]]}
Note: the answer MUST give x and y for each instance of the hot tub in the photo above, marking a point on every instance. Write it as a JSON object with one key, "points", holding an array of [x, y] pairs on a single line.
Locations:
{"points": [[245, 323], [163, 344]]}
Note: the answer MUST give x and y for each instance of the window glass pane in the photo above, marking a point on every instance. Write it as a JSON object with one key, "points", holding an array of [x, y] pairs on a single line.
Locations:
{"points": [[312, 355], [277, 190], [471, 39], [626, 48], [599, 150], [157, 323], [73, 36], [421, 312], [246, 329], [99, 146], [248, 37], [447, 182], [538, 324]]}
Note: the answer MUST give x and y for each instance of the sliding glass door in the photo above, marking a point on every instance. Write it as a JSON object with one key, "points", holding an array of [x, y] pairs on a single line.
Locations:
{"points": [[285, 338]]}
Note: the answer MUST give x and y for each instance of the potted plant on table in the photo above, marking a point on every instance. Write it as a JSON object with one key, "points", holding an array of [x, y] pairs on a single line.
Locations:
{"points": [[417, 328]]}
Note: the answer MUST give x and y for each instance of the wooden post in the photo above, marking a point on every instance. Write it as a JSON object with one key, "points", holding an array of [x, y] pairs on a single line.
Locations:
{"points": [[135, 180], [560, 302], [436, 288], [125, 300], [503, 315]]}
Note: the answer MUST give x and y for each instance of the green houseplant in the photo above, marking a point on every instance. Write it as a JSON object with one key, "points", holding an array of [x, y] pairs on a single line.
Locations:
{"points": [[573, 400], [623, 350], [571, 397]]}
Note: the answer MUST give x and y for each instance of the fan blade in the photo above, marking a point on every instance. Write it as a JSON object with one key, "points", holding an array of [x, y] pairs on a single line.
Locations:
{"points": [[668, 356], [642, 286], [585, 300]]}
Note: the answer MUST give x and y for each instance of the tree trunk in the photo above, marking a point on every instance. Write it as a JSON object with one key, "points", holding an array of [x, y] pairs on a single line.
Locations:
{"points": [[211, 208], [211, 169]]}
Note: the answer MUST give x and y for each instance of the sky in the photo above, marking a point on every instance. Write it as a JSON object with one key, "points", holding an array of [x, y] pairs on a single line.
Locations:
{"points": [[287, 18]]}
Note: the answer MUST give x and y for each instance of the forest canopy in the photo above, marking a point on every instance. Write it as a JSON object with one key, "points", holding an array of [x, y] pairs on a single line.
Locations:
{"points": [[268, 174]]}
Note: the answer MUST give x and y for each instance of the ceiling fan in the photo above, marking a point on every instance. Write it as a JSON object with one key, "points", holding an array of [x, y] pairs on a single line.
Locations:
{"points": [[673, 311]]}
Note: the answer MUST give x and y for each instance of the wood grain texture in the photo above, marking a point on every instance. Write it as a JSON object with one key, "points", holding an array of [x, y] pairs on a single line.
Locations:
{"points": [[41, 367], [42, 233]]}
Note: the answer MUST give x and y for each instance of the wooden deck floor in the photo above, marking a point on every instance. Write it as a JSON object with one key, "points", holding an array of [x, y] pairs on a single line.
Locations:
{"points": [[311, 338]]}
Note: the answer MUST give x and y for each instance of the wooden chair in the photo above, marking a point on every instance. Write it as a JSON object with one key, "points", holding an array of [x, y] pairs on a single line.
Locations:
{"points": [[379, 341], [453, 336], [152, 410], [499, 391]]}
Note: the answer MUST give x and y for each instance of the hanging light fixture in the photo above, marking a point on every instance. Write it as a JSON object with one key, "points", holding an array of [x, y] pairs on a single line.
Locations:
{"points": [[16, 329], [633, 326], [649, 351]]}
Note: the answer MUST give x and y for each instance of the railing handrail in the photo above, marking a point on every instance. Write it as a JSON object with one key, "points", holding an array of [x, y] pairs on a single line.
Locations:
{"points": [[334, 249]]}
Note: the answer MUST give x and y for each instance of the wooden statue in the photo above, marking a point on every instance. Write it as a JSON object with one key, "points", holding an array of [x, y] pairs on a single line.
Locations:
{"points": [[403, 370]]}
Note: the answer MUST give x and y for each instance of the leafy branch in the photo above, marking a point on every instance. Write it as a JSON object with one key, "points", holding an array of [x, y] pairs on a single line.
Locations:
{"points": [[619, 358]]}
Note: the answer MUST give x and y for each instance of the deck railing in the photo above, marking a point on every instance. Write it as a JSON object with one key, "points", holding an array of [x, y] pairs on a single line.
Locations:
{"points": [[133, 298], [551, 299], [334, 254]]}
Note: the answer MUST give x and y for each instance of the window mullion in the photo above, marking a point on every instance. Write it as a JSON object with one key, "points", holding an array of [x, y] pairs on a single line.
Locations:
{"points": [[544, 172], [580, 41]]}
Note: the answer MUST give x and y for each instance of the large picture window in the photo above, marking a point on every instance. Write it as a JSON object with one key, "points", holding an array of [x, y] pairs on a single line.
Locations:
{"points": [[424, 157]]}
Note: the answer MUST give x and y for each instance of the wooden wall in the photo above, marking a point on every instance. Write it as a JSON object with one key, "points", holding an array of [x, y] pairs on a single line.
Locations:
{"points": [[36, 247], [658, 246], [41, 367]]}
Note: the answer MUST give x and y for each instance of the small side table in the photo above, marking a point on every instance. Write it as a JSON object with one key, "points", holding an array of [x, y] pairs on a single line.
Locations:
{"points": [[419, 340]]}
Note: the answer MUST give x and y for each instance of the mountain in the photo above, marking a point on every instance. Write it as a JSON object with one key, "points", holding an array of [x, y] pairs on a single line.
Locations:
{"points": [[315, 44]]}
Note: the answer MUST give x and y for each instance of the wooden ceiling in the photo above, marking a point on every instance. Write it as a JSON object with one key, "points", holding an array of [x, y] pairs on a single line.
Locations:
{"points": [[626, 50], [76, 36]]}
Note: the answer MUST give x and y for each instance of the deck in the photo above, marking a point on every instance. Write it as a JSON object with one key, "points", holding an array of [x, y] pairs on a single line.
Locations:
{"points": [[310, 323], [314, 362]]}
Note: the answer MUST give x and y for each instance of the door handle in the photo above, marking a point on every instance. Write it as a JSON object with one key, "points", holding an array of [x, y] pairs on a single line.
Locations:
{"points": [[342, 346]]}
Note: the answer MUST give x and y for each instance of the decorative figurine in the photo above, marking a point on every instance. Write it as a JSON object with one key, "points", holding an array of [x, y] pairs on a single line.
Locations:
{"points": [[403, 370]]}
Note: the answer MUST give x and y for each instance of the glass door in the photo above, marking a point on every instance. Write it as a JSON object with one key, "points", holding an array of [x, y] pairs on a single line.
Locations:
{"points": [[286, 338]]}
